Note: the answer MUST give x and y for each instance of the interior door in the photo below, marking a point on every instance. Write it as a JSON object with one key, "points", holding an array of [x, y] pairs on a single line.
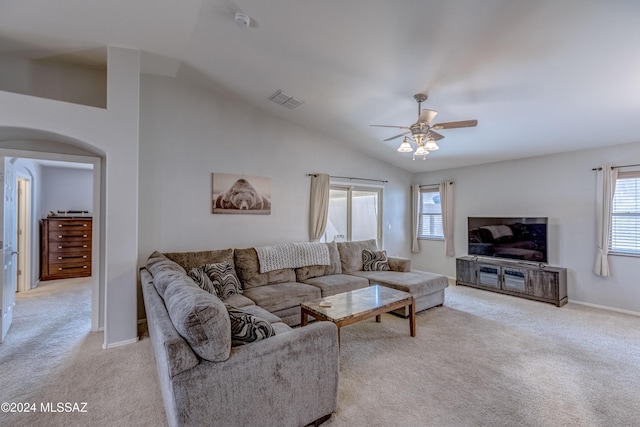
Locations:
{"points": [[8, 243]]}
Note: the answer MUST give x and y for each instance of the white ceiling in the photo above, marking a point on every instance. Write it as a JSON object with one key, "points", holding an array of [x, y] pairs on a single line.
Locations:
{"points": [[540, 76]]}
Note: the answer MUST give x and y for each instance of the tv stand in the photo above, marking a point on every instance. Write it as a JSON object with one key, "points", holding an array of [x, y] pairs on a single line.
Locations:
{"points": [[538, 282]]}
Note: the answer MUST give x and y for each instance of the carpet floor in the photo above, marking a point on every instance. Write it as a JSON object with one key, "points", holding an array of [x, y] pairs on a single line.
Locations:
{"points": [[483, 359]]}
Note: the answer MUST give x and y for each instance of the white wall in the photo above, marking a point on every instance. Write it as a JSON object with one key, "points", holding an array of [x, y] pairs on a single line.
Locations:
{"points": [[561, 187], [66, 189], [188, 132], [54, 80], [111, 134]]}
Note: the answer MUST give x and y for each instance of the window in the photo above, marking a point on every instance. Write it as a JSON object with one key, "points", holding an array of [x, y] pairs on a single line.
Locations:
{"points": [[430, 220], [354, 214], [625, 215]]}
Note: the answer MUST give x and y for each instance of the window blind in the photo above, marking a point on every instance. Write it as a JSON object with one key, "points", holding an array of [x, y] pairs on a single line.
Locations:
{"points": [[625, 214], [430, 222]]}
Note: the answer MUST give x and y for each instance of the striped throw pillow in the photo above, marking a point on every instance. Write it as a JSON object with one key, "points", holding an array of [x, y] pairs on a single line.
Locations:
{"points": [[224, 279], [375, 261], [200, 277], [246, 328]]}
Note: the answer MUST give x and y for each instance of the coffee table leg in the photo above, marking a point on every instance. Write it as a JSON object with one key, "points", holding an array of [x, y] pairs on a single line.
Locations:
{"points": [[303, 318], [412, 317], [378, 318]]}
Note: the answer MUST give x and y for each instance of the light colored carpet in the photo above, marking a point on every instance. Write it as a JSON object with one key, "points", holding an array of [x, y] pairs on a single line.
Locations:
{"points": [[483, 359], [51, 355]]}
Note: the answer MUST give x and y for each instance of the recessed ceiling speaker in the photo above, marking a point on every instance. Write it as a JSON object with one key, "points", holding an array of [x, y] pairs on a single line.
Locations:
{"points": [[242, 19]]}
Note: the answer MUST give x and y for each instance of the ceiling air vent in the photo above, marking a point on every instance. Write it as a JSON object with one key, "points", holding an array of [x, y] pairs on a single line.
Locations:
{"points": [[285, 100]]}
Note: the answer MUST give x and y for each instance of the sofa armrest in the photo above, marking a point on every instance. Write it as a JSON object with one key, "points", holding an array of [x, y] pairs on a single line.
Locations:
{"points": [[290, 379], [399, 264]]}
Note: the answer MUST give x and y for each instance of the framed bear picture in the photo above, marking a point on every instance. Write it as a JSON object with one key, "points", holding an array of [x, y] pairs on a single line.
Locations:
{"points": [[240, 194]]}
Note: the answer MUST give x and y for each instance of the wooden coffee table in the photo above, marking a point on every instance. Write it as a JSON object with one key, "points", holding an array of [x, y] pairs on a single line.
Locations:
{"points": [[353, 306]]}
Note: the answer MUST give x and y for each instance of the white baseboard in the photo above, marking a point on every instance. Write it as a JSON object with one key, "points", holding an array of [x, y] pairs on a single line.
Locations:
{"points": [[120, 343], [604, 307]]}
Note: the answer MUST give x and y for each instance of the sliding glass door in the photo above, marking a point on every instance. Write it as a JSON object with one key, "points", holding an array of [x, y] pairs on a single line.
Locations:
{"points": [[354, 214]]}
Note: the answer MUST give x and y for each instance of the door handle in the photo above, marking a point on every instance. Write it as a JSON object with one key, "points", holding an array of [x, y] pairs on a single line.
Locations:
{"points": [[15, 253]]}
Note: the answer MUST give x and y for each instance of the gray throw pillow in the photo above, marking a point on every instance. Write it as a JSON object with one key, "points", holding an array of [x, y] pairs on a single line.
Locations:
{"points": [[224, 278], [201, 319], [375, 260], [246, 328]]}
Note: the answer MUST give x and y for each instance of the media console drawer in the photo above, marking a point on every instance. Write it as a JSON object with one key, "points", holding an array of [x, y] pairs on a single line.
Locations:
{"points": [[66, 248], [533, 281]]}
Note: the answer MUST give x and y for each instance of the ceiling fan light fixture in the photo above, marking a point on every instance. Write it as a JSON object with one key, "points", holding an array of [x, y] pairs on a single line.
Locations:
{"points": [[421, 151], [431, 145], [405, 147]]}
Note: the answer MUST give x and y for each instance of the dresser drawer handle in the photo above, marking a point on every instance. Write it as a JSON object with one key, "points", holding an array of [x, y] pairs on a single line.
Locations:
{"points": [[70, 268], [73, 257]]}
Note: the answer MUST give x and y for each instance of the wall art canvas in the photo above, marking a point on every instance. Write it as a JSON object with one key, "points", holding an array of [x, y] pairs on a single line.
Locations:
{"points": [[240, 194]]}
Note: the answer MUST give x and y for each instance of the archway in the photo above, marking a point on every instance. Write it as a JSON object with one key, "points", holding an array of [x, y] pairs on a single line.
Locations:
{"points": [[40, 145]]}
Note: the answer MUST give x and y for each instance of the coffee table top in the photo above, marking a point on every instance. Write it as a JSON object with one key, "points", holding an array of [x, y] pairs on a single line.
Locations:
{"points": [[356, 303]]}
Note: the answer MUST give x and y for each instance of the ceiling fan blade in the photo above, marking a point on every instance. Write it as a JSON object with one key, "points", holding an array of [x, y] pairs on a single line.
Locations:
{"points": [[435, 135], [454, 125], [397, 136], [390, 126], [427, 116]]}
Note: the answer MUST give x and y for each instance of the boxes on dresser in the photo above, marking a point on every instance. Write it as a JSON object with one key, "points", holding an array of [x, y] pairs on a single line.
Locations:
{"points": [[65, 247]]}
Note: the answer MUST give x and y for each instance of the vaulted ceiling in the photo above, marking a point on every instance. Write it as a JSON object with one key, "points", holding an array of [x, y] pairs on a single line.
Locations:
{"points": [[540, 76]]}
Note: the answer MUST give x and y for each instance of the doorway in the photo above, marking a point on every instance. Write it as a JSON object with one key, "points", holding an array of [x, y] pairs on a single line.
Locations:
{"points": [[23, 230], [35, 207]]}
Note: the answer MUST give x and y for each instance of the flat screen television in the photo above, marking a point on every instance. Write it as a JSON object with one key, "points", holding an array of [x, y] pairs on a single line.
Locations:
{"points": [[522, 239]]}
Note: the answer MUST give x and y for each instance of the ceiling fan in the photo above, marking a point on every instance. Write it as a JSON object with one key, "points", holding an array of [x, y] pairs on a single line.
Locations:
{"points": [[423, 133]]}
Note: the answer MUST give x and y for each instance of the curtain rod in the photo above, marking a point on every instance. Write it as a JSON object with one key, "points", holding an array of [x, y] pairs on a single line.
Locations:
{"points": [[432, 185], [350, 178], [623, 166]]}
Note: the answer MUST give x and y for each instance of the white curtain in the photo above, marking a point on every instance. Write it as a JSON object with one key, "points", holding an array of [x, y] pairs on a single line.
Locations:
{"points": [[319, 205], [446, 202], [415, 217], [605, 187]]}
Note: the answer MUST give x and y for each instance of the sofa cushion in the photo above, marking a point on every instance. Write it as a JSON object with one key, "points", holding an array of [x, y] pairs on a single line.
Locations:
{"points": [[417, 283], [337, 283], [397, 263], [248, 270], [164, 271], [158, 262], [201, 319], [304, 273], [246, 328], [281, 328], [282, 295], [260, 312], [224, 279], [203, 281], [238, 300], [375, 260], [190, 260], [351, 254]]}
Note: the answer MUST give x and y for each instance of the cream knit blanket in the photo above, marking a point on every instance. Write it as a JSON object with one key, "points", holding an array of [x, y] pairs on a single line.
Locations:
{"points": [[292, 255]]}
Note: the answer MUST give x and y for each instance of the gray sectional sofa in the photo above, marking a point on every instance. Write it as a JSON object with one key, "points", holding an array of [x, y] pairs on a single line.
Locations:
{"points": [[288, 379]]}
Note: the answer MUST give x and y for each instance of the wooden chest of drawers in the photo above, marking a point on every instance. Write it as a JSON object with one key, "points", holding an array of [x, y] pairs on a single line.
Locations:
{"points": [[65, 248]]}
